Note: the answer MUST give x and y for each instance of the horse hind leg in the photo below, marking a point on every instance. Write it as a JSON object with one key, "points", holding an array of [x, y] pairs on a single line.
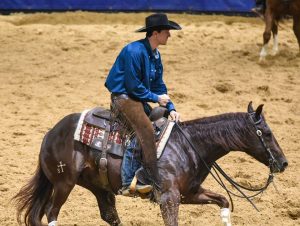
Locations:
{"points": [[107, 206], [61, 192], [296, 28], [275, 39], [267, 35]]}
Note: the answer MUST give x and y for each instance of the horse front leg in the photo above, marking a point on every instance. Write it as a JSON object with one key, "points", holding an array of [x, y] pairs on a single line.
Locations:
{"points": [[267, 34], [169, 206], [204, 196], [296, 28]]}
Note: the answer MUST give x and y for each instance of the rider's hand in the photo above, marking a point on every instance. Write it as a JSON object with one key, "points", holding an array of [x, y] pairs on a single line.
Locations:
{"points": [[175, 116], [163, 100]]}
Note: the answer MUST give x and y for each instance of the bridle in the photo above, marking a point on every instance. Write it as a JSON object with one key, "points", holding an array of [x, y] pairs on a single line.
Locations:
{"points": [[218, 170], [272, 161]]}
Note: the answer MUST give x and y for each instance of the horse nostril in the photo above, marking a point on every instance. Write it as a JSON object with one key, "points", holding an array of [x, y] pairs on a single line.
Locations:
{"points": [[284, 165]]}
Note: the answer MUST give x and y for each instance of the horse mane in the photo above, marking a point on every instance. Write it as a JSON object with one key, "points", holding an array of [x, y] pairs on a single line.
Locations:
{"points": [[227, 130]]}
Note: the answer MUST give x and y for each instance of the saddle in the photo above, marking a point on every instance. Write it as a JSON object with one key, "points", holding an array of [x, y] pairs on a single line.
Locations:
{"points": [[96, 129], [104, 136], [97, 116], [98, 133]]}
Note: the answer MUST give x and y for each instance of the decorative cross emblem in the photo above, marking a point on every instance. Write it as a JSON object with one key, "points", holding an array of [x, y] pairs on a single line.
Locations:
{"points": [[60, 168]]}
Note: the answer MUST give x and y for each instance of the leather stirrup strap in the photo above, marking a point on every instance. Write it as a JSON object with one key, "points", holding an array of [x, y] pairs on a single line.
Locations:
{"points": [[103, 159]]}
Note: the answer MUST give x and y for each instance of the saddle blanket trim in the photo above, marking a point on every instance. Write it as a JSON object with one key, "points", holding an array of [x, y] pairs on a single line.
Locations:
{"points": [[163, 141], [79, 125]]}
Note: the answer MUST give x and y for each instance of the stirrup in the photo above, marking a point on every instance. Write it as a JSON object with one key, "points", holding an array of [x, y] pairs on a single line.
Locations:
{"points": [[140, 188], [143, 188], [125, 191]]}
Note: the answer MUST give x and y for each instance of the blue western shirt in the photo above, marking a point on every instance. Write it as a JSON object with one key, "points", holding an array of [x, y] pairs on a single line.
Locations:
{"points": [[138, 72]]}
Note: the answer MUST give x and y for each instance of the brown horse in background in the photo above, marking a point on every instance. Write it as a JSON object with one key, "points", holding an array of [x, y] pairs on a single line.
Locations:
{"points": [[275, 10], [190, 153]]}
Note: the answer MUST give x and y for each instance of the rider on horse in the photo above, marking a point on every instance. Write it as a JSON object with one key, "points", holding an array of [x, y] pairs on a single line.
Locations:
{"points": [[134, 80]]}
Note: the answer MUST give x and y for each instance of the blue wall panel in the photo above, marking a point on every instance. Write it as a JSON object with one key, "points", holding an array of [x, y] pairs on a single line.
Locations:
{"points": [[130, 5]]}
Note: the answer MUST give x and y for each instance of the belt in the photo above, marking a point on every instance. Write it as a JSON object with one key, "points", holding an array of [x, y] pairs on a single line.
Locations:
{"points": [[115, 96]]}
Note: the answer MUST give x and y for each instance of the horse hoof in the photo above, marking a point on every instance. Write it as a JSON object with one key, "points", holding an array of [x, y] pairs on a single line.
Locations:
{"points": [[262, 60], [225, 215], [274, 52]]}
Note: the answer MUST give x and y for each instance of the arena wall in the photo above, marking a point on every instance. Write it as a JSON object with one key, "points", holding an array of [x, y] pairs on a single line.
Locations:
{"points": [[129, 5]]}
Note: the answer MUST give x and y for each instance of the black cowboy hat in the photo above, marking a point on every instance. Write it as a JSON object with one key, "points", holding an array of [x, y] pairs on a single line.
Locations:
{"points": [[160, 21]]}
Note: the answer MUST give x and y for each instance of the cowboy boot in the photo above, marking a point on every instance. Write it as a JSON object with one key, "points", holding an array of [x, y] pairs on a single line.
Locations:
{"points": [[130, 165]]}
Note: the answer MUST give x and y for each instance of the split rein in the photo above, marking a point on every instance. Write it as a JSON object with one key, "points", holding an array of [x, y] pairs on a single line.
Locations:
{"points": [[218, 170]]}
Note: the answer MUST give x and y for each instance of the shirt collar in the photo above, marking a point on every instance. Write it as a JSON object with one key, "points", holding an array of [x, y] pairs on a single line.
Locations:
{"points": [[152, 54]]}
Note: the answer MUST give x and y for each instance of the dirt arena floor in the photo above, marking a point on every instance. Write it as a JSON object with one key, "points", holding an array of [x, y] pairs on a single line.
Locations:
{"points": [[55, 64]]}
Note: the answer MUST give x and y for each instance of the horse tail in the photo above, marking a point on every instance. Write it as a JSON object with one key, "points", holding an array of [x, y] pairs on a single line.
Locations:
{"points": [[33, 197]]}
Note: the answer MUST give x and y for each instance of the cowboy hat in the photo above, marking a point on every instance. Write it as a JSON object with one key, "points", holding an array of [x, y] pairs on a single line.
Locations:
{"points": [[159, 20]]}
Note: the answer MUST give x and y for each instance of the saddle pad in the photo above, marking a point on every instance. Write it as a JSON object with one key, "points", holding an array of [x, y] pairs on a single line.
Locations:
{"points": [[90, 135], [93, 136]]}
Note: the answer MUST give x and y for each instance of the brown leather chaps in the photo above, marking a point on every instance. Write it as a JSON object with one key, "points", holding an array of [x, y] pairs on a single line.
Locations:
{"points": [[133, 112]]}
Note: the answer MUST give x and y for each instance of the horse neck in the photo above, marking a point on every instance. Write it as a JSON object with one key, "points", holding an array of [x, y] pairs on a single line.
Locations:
{"points": [[216, 136]]}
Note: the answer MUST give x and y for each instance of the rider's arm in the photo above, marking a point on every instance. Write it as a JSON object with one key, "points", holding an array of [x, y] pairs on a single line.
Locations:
{"points": [[134, 74], [159, 87]]}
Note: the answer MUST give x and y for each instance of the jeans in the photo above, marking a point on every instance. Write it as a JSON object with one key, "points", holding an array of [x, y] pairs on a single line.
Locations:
{"points": [[130, 164]]}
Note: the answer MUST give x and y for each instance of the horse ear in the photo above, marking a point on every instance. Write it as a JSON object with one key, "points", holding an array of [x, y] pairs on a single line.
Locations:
{"points": [[250, 108], [258, 111]]}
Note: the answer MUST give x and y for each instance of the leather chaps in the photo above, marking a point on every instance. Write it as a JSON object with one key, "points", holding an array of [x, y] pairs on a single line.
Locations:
{"points": [[133, 112]]}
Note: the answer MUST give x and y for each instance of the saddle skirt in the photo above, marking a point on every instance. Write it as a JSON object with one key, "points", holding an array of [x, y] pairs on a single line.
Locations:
{"points": [[92, 126]]}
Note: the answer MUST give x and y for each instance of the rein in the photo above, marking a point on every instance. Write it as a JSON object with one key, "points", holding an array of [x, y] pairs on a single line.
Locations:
{"points": [[217, 169]]}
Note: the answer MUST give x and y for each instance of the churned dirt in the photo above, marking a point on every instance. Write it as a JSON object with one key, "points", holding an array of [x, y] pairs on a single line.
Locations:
{"points": [[54, 64]]}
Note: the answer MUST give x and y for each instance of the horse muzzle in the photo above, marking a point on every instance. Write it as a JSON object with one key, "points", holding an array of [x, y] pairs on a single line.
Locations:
{"points": [[279, 166], [283, 166]]}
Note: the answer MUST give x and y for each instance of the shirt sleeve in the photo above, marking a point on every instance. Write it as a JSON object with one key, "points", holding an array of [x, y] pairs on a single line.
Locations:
{"points": [[134, 76], [170, 106], [159, 87]]}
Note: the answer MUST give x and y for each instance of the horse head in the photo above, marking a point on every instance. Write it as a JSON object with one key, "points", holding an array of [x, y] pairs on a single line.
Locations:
{"points": [[264, 146]]}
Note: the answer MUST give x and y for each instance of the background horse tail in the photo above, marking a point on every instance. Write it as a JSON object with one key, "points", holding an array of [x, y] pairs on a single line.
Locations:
{"points": [[33, 197]]}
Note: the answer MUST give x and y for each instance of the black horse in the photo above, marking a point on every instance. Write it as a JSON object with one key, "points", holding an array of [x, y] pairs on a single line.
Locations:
{"points": [[183, 167]]}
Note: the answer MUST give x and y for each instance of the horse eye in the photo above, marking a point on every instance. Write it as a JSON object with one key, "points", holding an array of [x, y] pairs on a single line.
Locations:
{"points": [[268, 132]]}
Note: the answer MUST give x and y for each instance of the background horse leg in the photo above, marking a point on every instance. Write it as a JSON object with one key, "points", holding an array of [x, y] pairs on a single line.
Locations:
{"points": [[267, 34], [275, 38], [61, 192], [204, 196], [107, 206], [296, 28], [169, 207]]}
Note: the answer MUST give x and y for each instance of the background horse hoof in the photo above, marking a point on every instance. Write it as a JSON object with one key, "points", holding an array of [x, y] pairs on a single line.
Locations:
{"points": [[262, 60], [274, 52]]}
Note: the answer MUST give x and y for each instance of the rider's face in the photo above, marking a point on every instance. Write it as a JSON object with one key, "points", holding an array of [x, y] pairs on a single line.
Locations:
{"points": [[162, 37]]}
